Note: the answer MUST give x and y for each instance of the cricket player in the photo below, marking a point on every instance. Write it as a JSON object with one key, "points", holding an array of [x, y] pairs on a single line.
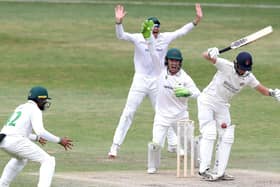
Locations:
{"points": [[175, 87], [213, 109], [16, 136], [145, 76]]}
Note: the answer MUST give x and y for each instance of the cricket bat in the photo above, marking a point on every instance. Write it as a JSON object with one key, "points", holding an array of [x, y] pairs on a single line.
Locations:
{"points": [[248, 39]]}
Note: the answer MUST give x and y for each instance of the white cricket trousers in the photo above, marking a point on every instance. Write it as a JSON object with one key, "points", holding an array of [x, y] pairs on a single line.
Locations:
{"points": [[162, 125], [22, 150], [141, 87], [211, 114]]}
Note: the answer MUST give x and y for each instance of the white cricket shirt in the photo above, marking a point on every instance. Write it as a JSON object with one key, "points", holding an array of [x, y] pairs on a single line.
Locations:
{"points": [[168, 105], [226, 82], [142, 60], [25, 119]]}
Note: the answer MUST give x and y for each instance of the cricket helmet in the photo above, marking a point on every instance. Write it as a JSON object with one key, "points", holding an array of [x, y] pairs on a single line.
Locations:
{"points": [[39, 95], [244, 61], [175, 54], [155, 20]]}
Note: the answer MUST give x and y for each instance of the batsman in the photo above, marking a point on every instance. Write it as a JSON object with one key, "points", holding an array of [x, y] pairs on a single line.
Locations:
{"points": [[213, 109]]}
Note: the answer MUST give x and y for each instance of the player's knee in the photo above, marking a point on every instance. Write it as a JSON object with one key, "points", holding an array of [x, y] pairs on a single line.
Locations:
{"points": [[49, 160], [228, 136], [128, 112], [209, 131], [22, 162], [154, 146]]}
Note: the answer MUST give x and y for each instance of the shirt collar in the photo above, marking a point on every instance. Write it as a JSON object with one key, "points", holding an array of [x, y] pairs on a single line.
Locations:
{"points": [[177, 74]]}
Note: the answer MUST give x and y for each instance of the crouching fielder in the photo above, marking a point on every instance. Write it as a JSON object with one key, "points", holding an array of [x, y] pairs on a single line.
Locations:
{"points": [[16, 136], [175, 86], [213, 109]]}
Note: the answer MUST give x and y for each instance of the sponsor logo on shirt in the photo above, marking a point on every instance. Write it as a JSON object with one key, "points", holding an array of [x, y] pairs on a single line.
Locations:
{"points": [[159, 49], [168, 87], [230, 87]]}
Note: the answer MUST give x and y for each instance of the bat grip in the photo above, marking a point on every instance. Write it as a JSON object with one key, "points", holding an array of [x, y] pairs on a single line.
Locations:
{"points": [[225, 49]]}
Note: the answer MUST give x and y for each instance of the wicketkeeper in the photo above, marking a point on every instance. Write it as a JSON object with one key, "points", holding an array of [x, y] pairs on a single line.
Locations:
{"points": [[175, 88], [213, 109]]}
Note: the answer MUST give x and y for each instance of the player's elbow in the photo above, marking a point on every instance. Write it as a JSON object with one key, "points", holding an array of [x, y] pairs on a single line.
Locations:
{"points": [[205, 55]]}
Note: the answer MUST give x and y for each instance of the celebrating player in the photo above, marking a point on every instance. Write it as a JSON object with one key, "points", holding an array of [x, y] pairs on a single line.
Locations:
{"points": [[144, 80], [175, 87], [213, 109], [16, 134]]}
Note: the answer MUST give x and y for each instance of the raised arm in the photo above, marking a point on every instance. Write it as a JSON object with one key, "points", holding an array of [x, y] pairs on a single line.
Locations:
{"points": [[120, 13], [170, 36], [146, 30], [211, 54], [199, 14]]}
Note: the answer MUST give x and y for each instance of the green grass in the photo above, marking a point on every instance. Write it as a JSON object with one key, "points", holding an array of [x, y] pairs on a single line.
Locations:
{"points": [[72, 50]]}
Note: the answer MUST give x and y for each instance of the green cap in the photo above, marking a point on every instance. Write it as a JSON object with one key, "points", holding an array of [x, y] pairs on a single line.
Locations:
{"points": [[174, 53], [155, 20], [38, 92]]}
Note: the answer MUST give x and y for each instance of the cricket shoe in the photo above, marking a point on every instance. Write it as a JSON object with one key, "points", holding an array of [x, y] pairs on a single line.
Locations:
{"points": [[113, 151], [206, 174], [172, 148], [151, 170], [215, 177], [227, 177]]}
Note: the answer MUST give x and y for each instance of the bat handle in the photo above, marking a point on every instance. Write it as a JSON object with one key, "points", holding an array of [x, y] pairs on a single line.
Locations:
{"points": [[225, 49]]}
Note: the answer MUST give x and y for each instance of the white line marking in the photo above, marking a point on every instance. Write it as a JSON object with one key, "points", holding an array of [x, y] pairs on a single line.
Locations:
{"points": [[225, 5]]}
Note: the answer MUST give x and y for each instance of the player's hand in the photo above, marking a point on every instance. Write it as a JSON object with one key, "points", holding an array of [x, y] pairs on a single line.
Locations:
{"points": [[182, 92], [119, 13], [199, 14], [213, 52], [66, 143], [275, 93], [146, 28], [42, 141]]}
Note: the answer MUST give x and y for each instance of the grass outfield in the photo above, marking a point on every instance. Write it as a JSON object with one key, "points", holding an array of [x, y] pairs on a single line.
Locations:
{"points": [[71, 48]]}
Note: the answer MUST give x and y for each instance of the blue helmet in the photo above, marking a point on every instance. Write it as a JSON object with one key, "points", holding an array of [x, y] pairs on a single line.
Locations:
{"points": [[244, 61]]}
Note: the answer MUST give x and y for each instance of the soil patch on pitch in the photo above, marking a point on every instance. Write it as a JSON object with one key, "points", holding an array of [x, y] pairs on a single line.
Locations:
{"points": [[246, 178]]}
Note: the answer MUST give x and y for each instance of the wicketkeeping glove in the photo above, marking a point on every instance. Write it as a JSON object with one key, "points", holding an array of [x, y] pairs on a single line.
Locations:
{"points": [[275, 93], [147, 27], [182, 92], [213, 52]]}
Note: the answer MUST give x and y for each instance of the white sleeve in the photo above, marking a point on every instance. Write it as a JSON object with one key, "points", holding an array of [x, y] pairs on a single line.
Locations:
{"points": [[37, 125], [124, 35], [253, 82], [33, 137], [170, 36], [191, 86], [223, 65], [154, 55]]}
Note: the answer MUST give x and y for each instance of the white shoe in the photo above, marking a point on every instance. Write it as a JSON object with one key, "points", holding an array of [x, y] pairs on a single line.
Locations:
{"points": [[152, 170], [227, 177], [113, 151], [172, 148], [206, 174]]}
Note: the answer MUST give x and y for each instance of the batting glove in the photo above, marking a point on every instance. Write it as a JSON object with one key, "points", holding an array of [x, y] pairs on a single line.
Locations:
{"points": [[146, 28], [213, 52], [182, 92], [275, 93]]}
